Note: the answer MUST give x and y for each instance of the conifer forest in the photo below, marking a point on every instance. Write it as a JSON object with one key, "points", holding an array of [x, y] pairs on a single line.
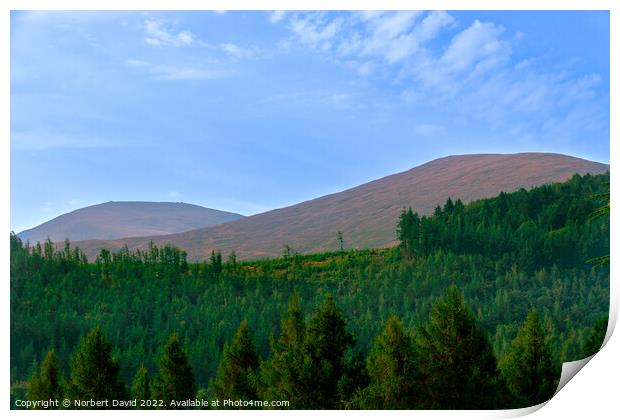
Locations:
{"points": [[477, 307]]}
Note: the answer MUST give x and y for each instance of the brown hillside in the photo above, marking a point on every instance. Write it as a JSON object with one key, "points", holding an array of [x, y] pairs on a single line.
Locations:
{"points": [[367, 214], [122, 219]]}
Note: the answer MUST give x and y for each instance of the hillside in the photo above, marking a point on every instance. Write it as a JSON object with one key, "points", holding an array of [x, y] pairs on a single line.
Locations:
{"points": [[123, 219], [367, 214]]}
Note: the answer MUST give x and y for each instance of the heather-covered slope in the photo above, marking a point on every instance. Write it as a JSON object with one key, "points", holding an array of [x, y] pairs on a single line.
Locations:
{"points": [[366, 215], [121, 219]]}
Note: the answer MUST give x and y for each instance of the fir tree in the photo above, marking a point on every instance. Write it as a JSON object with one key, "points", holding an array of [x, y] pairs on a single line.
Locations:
{"points": [[393, 371], [94, 371], [354, 380], [236, 374], [176, 377], [326, 344], [458, 367], [284, 374], [595, 340], [46, 383], [529, 369], [141, 385], [216, 261]]}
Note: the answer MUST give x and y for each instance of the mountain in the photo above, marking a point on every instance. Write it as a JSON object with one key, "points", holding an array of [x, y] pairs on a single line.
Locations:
{"points": [[367, 215], [124, 219]]}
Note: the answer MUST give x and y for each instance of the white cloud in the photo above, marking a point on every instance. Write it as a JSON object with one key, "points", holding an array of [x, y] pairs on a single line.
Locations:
{"points": [[479, 43], [236, 51], [366, 15], [157, 35], [315, 29], [391, 36], [276, 16]]}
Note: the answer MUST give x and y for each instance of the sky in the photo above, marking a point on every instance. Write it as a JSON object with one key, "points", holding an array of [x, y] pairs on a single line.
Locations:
{"points": [[251, 111]]}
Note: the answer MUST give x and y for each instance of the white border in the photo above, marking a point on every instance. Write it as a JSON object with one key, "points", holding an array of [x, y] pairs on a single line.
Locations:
{"points": [[592, 394]]}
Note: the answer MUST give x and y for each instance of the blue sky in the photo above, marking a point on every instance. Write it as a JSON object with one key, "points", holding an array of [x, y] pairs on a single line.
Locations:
{"points": [[250, 111]]}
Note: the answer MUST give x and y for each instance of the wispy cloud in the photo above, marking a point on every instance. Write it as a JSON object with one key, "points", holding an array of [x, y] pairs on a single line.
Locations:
{"points": [[174, 72], [337, 100], [478, 47], [470, 71], [158, 35], [276, 16], [236, 51], [315, 28]]}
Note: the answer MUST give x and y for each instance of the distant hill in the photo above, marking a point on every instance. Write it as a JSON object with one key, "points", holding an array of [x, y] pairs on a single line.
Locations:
{"points": [[124, 219], [367, 214]]}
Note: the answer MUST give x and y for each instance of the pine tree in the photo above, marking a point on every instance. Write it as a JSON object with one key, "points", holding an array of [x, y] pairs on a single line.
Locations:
{"points": [[283, 375], [353, 382], [393, 371], [595, 340], [176, 377], [95, 374], [457, 364], [141, 385], [46, 383], [326, 344], [216, 261], [236, 374], [530, 371]]}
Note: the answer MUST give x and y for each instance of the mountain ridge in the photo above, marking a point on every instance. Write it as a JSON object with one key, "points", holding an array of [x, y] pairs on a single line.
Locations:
{"points": [[367, 214], [120, 219]]}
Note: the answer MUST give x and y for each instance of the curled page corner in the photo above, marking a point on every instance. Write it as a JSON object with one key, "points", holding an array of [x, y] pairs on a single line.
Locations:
{"points": [[569, 370]]}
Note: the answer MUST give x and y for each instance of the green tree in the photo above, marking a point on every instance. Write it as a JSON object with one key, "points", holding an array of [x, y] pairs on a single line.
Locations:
{"points": [[529, 369], [595, 339], [393, 371], [216, 261], [141, 385], [176, 377], [326, 344], [46, 383], [95, 374], [353, 382], [284, 374], [458, 367], [236, 374]]}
